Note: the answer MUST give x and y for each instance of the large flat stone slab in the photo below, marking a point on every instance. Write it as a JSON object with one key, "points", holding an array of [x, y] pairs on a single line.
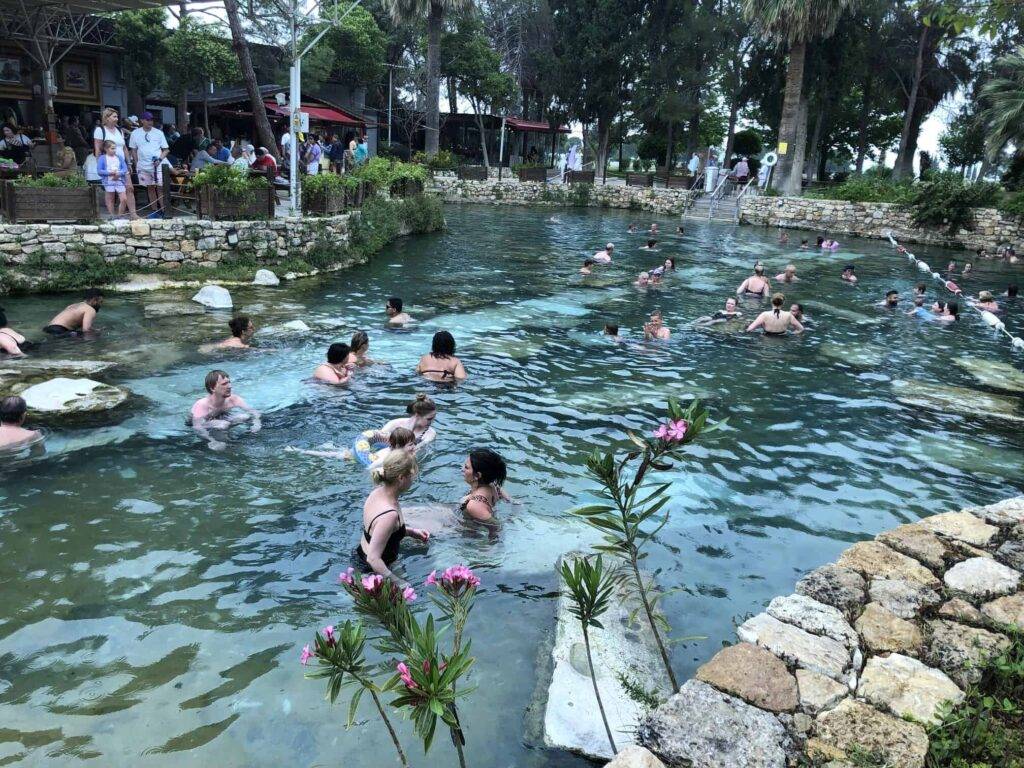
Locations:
{"points": [[754, 675], [906, 599], [874, 560], [796, 646], [883, 631], [1007, 610], [982, 577], [962, 526], [818, 692], [711, 729], [814, 617], [962, 400], [64, 397], [834, 585], [916, 541], [1011, 553], [907, 688], [1007, 512], [993, 373], [959, 609], [855, 726], [959, 650], [572, 720]]}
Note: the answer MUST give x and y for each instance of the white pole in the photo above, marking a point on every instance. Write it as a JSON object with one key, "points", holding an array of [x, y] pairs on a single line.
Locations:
{"points": [[501, 147], [295, 104], [391, 72]]}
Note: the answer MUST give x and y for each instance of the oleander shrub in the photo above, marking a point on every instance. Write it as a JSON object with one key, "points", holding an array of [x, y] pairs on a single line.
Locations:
{"points": [[944, 199]]}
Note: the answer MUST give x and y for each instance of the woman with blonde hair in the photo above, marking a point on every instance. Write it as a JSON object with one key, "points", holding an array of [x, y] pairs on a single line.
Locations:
{"points": [[383, 525], [108, 130]]}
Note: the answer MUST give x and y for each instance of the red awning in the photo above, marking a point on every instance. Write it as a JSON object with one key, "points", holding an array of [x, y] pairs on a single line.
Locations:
{"points": [[518, 124], [320, 113]]}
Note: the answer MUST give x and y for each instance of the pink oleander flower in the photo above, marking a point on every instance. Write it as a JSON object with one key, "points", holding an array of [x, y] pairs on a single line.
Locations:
{"points": [[678, 429], [661, 432], [346, 577], [405, 675], [329, 636], [426, 666], [432, 579], [372, 582], [306, 655], [408, 594], [459, 576]]}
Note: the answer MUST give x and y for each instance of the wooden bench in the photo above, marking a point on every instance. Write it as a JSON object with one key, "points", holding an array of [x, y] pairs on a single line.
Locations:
{"points": [[579, 177], [533, 174], [639, 180], [472, 173]]}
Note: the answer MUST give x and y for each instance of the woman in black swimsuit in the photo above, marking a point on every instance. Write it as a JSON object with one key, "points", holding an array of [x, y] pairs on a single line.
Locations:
{"points": [[383, 526], [441, 364], [11, 342], [485, 472], [755, 285]]}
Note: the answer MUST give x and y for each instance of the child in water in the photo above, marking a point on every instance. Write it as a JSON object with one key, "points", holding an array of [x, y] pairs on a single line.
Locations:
{"points": [[399, 438]]}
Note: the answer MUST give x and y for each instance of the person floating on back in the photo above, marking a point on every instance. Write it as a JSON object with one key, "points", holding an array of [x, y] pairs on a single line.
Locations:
{"points": [[77, 318]]}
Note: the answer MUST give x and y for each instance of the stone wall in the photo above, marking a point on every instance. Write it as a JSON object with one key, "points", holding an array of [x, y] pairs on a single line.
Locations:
{"points": [[167, 243], [859, 660], [514, 192], [992, 229]]}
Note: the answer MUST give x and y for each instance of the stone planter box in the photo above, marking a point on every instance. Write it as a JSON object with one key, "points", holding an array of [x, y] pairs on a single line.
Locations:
{"points": [[472, 173], [580, 177], [49, 204], [216, 205], [406, 188], [533, 174], [639, 180], [678, 182]]}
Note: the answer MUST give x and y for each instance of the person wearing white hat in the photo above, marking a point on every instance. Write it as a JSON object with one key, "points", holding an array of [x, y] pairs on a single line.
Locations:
{"points": [[605, 256]]}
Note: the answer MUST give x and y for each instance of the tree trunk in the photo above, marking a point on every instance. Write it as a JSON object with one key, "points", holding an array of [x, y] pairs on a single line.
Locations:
{"points": [[730, 135], [669, 139], [264, 133], [453, 98], [905, 156], [604, 127], [206, 111], [693, 133], [791, 164], [801, 146], [867, 93], [483, 136], [812, 154], [183, 96], [432, 126]]}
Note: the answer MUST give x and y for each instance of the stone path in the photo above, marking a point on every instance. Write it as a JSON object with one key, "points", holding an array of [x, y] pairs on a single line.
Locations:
{"points": [[860, 659]]}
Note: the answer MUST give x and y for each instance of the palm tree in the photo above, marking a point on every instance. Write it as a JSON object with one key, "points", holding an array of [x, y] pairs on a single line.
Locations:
{"points": [[435, 10], [794, 23], [1003, 96]]}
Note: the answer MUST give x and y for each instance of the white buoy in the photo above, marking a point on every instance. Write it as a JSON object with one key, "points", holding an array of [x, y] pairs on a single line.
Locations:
{"points": [[923, 267], [937, 276], [1018, 342], [911, 257], [992, 321]]}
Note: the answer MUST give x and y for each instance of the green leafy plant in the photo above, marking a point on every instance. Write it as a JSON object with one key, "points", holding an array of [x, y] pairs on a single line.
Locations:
{"points": [[868, 189], [987, 727], [229, 180], [1013, 205], [444, 160], [422, 213], [579, 195], [590, 588], [52, 181], [944, 199], [633, 514]]}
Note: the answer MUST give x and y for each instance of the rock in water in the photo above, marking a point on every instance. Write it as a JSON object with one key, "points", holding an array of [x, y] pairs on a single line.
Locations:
{"points": [[214, 297], [265, 277], [856, 355], [292, 326], [635, 757], [171, 309], [701, 726], [969, 402], [571, 717], [992, 373], [70, 396]]}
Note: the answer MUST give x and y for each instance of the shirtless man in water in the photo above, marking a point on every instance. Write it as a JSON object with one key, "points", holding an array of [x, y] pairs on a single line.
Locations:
{"points": [[605, 256], [12, 424], [395, 314], [212, 411], [655, 329], [242, 331], [76, 318], [755, 285], [775, 321], [789, 275]]}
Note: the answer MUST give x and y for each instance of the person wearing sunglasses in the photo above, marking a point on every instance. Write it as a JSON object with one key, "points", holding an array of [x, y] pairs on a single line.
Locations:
{"points": [[149, 147]]}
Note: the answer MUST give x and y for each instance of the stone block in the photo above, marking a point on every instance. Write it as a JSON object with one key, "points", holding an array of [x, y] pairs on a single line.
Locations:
{"points": [[982, 577], [796, 646], [856, 726], [884, 631], [754, 675], [907, 688], [873, 559]]}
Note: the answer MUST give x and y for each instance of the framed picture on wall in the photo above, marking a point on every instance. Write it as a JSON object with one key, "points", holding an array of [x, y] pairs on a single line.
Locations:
{"points": [[76, 77], [10, 70]]}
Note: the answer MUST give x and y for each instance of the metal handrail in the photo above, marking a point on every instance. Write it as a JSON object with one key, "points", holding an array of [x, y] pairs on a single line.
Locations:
{"points": [[716, 196], [695, 191], [739, 197], [566, 171]]}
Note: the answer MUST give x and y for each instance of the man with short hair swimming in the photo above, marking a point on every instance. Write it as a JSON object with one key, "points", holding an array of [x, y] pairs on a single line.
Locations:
{"points": [[212, 411], [651, 245], [611, 329], [605, 256], [242, 330], [655, 330], [395, 314], [337, 369], [848, 275], [77, 318], [789, 275], [12, 420], [586, 268], [891, 301]]}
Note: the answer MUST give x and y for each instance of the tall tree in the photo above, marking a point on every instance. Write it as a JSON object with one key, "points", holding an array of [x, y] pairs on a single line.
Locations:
{"points": [[197, 56], [1003, 97], [264, 133], [794, 23], [141, 35], [435, 10]]}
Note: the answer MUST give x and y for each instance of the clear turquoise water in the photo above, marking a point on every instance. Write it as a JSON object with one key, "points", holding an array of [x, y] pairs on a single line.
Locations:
{"points": [[154, 595]]}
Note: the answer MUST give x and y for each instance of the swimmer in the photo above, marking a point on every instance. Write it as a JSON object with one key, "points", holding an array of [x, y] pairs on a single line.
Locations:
{"points": [[611, 329], [679, 230], [938, 307], [12, 420], [951, 267], [400, 437], [586, 269], [654, 228], [803, 245], [485, 472], [632, 229], [422, 412], [655, 330], [797, 311], [789, 275], [395, 314], [982, 254], [722, 315], [383, 526], [358, 347], [919, 310], [77, 318], [670, 264], [242, 330], [755, 285], [848, 275], [951, 314], [11, 342], [986, 302], [967, 270], [783, 238], [656, 275], [337, 369], [212, 411], [651, 245], [891, 301], [920, 289], [643, 280], [821, 242], [775, 321], [605, 256], [441, 364], [1011, 291]]}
